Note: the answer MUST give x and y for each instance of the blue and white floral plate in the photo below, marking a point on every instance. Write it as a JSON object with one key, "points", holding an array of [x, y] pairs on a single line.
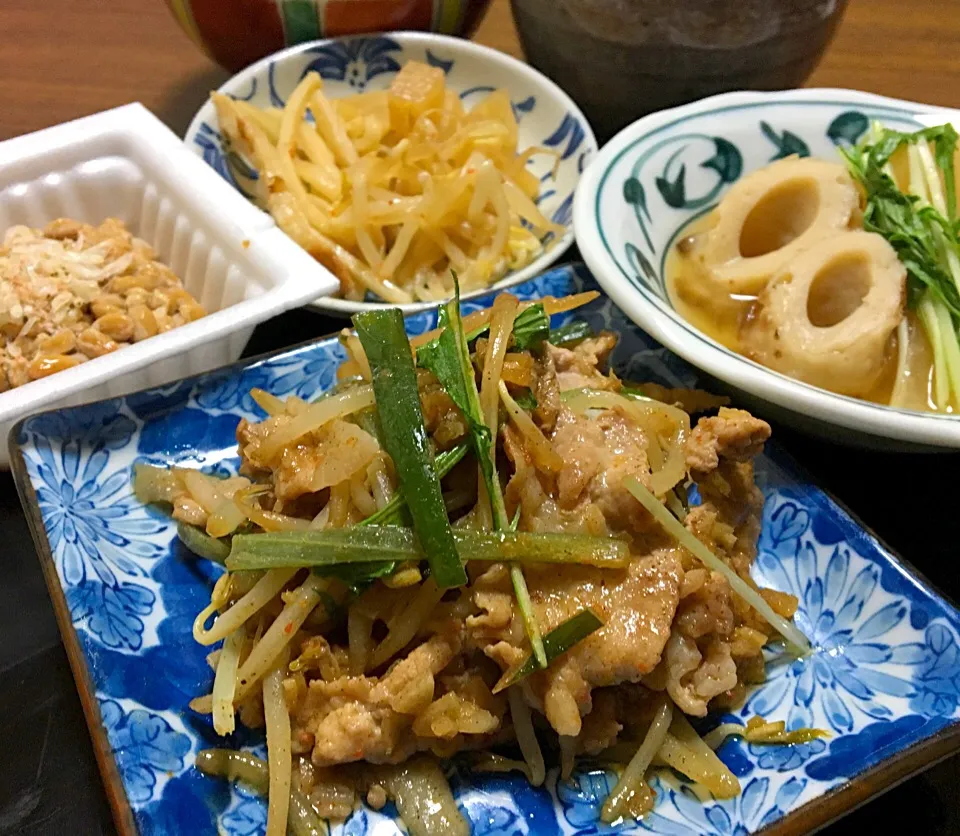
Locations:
{"points": [[546, 117], [884, 680], [669, 168]]}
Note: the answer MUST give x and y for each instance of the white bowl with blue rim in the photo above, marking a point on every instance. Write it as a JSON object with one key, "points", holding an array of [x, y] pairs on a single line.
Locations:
{"points": [[665, 170], [546, 117]]}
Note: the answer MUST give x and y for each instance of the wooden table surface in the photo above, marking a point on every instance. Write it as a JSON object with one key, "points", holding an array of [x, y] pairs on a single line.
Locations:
{"points": [[60, 59]]}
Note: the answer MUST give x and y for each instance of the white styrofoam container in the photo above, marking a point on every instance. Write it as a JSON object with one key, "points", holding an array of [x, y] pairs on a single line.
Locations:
{"points": [[231, 256]]}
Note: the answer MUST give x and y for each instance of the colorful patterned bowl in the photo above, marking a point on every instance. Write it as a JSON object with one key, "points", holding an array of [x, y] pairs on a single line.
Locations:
{"points": [[238, 32], [546, 117], [669, 168]]}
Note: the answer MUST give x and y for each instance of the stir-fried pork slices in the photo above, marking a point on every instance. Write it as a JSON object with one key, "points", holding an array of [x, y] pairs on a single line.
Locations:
{"points": [[669, 624]]}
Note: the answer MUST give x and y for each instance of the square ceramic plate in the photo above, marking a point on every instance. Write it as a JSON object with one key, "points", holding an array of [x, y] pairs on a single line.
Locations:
{"points": [[884, 679]]}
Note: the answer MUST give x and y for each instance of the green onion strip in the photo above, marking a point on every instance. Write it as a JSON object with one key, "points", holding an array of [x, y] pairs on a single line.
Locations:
{"points": [[386, 544], [392, 512], [448, 357], [405, 439], [555, 643]]}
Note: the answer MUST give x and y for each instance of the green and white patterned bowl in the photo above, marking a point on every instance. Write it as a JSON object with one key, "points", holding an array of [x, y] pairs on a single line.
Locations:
{"points": [[667, 169]]}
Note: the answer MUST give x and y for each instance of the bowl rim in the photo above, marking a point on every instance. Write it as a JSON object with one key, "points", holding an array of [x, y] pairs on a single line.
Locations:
{"points": [[667, 326], [343, 307]]}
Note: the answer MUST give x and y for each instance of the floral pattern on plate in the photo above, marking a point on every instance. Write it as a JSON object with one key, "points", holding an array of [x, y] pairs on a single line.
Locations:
{"points": [[885, 674]]}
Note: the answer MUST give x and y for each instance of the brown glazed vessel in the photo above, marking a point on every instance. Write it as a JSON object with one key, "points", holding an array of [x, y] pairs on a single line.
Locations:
{"points": [[621, 59]]}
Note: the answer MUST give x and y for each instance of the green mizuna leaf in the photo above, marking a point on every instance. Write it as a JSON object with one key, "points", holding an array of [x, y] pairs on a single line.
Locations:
{"points": [[915, 231], [531, 327], [555, 643]]}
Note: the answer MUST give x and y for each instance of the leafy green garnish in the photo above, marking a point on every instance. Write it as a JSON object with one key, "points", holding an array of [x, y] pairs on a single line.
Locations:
{"points": [[911, 227], [570, 334], [394, 513], [924, 235], [555, 643], [526, 399], [531, 327], [358, 576], [448, 357], [405, 439]]}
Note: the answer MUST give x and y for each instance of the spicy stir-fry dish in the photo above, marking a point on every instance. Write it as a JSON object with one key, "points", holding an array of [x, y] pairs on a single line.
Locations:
{"points": [[480, 543], [391, 189]]}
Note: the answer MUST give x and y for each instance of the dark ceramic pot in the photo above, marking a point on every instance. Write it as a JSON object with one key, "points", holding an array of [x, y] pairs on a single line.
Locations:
{"points": [[621, 59]]}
